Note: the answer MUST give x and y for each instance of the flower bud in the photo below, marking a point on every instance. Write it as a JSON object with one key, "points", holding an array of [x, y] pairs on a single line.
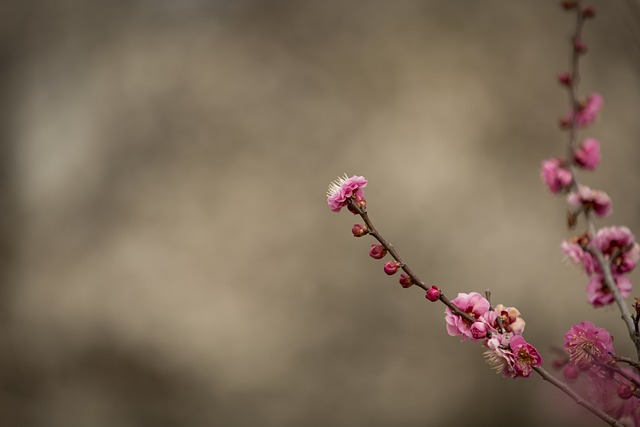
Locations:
{"points": [[359, 230], [405, 280], [564, 78], [571, 372], [568, 4], [625, 392], [479, 330], [377, 251], [391, 267], [558, 363], [588, 12], [433, 294], [580, 47]]}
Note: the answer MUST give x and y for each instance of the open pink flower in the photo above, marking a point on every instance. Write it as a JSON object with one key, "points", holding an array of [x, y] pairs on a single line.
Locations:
{"points": [[579, 256], [555, 175], [588, 110], [618, 245], [344, 188], [599, 201], [475, 305], [598, 293], [526, 356], [499, 355], [586, 343], [588, 154]]}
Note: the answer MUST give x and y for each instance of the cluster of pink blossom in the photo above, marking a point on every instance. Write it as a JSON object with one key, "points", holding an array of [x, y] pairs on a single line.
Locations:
{"points": [[621, 253], [591, 355], [499, 329], [343, 189]]}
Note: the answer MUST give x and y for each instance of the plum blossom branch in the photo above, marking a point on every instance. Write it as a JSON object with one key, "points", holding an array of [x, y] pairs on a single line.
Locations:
{"points": [[362, 211], [575, 120]]}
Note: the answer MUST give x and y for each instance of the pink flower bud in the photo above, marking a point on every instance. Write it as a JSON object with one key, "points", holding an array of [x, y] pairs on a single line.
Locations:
{"points": [[405, 280], [359, 230], [625, 392], [479, 330], [564, 78], [588, 154], [559, 363], [568, 4], [580, 47], [571, 372], [391, 267], [554, 173], [377, 251], [433, 294]]}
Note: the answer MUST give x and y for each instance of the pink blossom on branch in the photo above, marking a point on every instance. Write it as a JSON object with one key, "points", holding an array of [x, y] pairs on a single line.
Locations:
{"points": [[577, 255], [512, 321], [555, 175], [586, 343], [587, 198], [343, 189], [588, 110], [512, 356], [475, 305], [588, 154], [619, 246], [598, 293]]}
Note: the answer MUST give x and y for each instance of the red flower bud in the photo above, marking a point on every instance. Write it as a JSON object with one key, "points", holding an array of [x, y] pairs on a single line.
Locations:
{"points": [[405, 280], [359, 230], [625, 392], [433, 294], [580, 47], [564, 78], [377, 251], [391, 267], [588, 12], [568, 4]]}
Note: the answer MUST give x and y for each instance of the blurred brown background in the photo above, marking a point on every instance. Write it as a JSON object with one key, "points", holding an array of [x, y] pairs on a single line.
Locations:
{"points": [[167, 255]]}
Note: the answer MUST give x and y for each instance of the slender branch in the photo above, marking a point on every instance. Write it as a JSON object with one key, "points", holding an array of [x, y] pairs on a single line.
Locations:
{"points": [[362, 211], [627, 360], [576, 397]]}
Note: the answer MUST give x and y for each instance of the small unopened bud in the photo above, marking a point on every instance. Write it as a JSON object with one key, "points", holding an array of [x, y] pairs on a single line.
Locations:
{"points": [[588, 12], [479, 330], [359, 230], [564, 78], [391, 267], [405, 281], [580, 47], [568, 4], [571, 372], [565, 123], [558, 363], [377, 251], [433, 294], [625, 392]]}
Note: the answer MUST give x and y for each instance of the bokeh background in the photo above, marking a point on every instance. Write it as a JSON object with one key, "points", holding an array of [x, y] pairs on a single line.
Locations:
{"points": [[167, 255]]}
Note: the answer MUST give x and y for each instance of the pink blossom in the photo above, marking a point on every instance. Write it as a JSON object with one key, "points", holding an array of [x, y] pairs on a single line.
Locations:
{"points": [[585, 343], [599, 201], [499, 355], [479, 330], [588, 154], [619, 243], [377, 251], [512, 321], [579, 256], [598, 293], [343, 189], [588, 110], [391, 267], [433, 294], [475, 305], [555, 175], [526, 356]]}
